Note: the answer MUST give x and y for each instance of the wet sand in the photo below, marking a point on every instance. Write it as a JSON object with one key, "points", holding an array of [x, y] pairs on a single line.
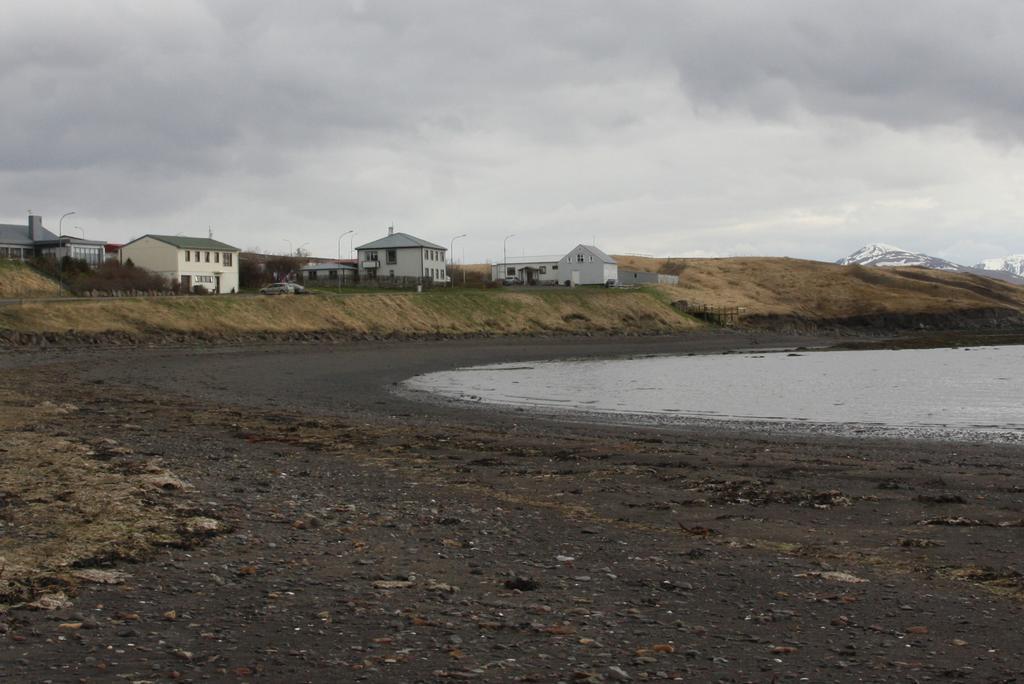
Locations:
{"points": [[378, 538]]}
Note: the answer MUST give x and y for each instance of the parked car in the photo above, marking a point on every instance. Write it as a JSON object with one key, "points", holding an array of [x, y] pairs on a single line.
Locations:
{"points": [[512, 280], [278, 289]]}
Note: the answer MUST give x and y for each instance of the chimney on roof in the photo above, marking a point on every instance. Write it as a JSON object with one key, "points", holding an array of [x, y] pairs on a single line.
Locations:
{"points": [[35, 227], [391, 230]]}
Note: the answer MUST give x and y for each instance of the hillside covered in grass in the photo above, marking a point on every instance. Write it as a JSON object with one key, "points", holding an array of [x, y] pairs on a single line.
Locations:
{"points": [[18, 280], [439, 312], [771, 286]]}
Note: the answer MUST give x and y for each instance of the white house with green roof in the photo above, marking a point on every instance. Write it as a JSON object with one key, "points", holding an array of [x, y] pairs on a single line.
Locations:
{"points": [[400, 255], [190, 261]]}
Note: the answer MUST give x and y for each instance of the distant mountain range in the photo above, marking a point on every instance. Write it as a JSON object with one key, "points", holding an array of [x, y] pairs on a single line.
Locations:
{"points": [[1010, 268]]}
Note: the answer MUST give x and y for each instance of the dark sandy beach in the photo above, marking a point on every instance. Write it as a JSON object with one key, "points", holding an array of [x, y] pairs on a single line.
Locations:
{"points": [[367, 536]]}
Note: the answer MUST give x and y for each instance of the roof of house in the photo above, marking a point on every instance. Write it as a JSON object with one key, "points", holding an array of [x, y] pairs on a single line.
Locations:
{"points": [[595, 251], [328, 266], [185, 242], [518, 260], [399, 240], [17, 234]]}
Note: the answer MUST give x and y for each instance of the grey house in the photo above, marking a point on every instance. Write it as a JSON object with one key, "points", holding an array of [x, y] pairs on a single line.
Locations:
{"points": [[400, 255], [587, 265], [22, 242]]}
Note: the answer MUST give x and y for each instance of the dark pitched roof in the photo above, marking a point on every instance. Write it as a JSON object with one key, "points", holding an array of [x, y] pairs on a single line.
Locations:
{"points": [[15, 234], [185, 242], [397, 240]]}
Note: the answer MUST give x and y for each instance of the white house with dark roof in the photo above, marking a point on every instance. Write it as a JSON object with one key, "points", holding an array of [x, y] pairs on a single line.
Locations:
{"points": [[587, 265], [190, 261], [400, 255]]}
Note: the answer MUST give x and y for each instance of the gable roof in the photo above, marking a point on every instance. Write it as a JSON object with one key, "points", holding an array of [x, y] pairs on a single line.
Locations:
{"points": [[185, 242], [601, 256], [397, 240]]}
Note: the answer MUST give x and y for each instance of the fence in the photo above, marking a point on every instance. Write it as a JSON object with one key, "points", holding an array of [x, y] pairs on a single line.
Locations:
{"points": [[719, 315]]}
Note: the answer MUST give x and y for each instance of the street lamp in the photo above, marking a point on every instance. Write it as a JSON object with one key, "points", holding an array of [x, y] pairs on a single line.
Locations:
{"points": [[451, 255], [504, 256], [339, 241], [351, 245], [60, 261], [81, 229], [289, 245]]}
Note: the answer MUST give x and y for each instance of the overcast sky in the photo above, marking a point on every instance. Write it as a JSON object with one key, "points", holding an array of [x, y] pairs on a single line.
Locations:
{"points": [[712, 128]]}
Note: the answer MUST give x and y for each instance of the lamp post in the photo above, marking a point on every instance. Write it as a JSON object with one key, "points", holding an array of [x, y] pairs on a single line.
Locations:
{"points": [[81, 229], [60, 260], [289, 245], [339, 241], [504, 256], [451, 255]]}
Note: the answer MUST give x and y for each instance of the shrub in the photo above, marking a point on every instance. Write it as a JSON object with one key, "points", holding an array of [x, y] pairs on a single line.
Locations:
{"points": [[112, 276]]}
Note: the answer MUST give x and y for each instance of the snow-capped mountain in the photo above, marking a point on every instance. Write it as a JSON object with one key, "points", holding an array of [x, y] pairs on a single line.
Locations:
{"points": [[1010, 269], [1011, 264], [878, 254]]}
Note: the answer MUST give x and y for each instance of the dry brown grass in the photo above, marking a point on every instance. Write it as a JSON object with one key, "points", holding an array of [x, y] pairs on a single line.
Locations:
{"points": [[440, 312], [61, 508], [782, 286], [18, 280]]}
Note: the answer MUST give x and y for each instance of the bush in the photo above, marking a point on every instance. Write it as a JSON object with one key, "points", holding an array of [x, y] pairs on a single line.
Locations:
{"points": [[112, 276]]}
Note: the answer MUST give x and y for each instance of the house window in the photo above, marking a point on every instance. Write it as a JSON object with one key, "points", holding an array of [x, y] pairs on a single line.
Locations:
{"points": [[207, 257], [188, 255], [554, 267], [579, 257], [392, 256], [371, 256], [312, 275], [510, 271], [227, 258], [216, 257], [197, 256], [542, 269]]}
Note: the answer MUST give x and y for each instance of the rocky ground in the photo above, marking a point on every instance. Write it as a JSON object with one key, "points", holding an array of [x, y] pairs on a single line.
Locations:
{"points": [[357, 535]]}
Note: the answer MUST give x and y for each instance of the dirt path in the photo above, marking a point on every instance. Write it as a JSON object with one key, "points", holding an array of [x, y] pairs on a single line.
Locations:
{"points": [[366, 537]]}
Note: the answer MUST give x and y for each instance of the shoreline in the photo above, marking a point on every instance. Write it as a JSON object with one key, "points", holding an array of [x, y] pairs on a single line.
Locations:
{"points": [[356, 534], [417, 388]]}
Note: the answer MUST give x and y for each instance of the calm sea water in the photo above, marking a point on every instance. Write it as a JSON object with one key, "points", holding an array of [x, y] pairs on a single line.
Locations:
{"points": [[934, 392]]}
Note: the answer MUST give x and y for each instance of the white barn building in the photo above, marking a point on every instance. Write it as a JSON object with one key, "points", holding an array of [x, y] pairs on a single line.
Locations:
{"points": [[190, 261], [587, 265], [400, 255]]}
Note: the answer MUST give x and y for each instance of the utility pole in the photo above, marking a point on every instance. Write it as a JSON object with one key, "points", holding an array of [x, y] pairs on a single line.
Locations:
{"points": [[451, 258], [504, 257]]}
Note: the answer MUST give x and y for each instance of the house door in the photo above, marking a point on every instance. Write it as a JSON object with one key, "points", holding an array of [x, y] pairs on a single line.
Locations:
{"points": [[186, 283], [575, 278], [216, 286]]}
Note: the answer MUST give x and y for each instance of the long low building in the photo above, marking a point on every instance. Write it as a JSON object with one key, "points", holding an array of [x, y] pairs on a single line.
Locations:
{"points": [[528, 270]]}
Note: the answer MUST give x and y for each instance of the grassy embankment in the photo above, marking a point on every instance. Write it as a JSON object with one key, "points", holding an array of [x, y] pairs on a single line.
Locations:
{"points": [[18, 280], [445, 312], [812, 290], [772, 290]]}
